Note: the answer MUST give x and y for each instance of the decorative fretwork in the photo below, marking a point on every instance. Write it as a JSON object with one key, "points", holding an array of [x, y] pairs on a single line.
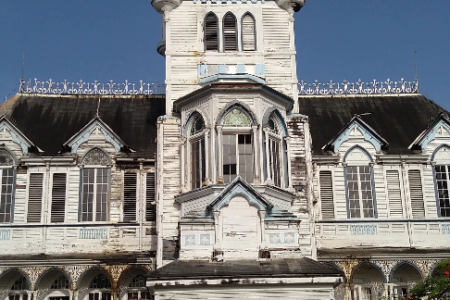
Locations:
{"points": [[236, 118], [359, 88], [96, 157], [425, 265], [116, 272], [75, 273], [5, 158], [33, 274], [387, 266], [90, 88]]}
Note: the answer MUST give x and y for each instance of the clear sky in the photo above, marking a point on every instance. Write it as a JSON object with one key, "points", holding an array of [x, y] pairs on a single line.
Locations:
{"points": [[116, 40]]}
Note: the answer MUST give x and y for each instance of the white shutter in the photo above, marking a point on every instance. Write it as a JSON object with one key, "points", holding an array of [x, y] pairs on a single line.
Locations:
{"points": [[415, 190], [35, 197], [150, 211], [229, 33], [248, 33], [211, 36], [394, 194], [326, 195], [58, 198], [129, 197]]}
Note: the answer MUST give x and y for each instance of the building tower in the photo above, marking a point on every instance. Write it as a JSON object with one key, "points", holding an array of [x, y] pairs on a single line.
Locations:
{"points": [[233, 156]]}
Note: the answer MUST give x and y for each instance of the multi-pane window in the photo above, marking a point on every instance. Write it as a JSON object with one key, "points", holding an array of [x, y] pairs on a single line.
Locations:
{"points": [[442, 184], [198, 163], [274, 161], [248, 33], [94, 187], [7, 194], [360, 192], [60, 283], [237, 157], [102, 284], [137, 289], [18, 289], [229, 32], [211, 29]]}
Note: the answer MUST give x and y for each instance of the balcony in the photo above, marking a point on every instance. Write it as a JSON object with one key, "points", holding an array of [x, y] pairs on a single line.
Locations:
{"points": [[418, 234]]}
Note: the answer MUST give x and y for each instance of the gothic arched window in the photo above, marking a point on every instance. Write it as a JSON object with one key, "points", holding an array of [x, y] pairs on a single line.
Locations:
{"points": [[237, 145], [275, 150], [95, 177], [137, 288], [229, 32], [197, 146], [7, 178], [248, 33], [18, 290], [100, 288], [211, 30]]}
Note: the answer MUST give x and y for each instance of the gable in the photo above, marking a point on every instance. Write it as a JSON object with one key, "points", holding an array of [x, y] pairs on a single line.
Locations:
{"points": [[356, 129], [238, 187], [96, 126], [10, 132], [440, 128]]}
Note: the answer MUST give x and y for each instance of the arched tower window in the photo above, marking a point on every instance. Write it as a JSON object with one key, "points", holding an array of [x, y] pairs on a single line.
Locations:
{"points": [[197, 153], [95, 177], [229, 32], [248, 33], [211, 30], [237, 145], [7, 178]]}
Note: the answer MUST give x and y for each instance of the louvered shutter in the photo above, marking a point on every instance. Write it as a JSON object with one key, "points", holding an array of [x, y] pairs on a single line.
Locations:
{"points": [[415, 190], [211, 32], [326, 195], [229, 33], [248, 33], [129, 197], [58, 198], [394, 194], [35, 197], [150, 212]]}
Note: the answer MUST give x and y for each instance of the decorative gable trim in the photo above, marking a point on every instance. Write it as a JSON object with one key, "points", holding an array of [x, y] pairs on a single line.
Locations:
{"points": [[17, 136], [357, 127], [432, 132], [83, 135], [238, 187]]}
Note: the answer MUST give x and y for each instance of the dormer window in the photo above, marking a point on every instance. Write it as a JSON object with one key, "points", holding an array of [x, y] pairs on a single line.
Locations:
{"points": [[211, 30], [229, 32], [95, 176]]}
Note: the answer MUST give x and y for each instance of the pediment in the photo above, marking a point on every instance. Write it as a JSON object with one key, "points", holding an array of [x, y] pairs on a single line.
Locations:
{"points": [[95, 124], [357, 129], [238, 187], [440, 128], [9, 131]]}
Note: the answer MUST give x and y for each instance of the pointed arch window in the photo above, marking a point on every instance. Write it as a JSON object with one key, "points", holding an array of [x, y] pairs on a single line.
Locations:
{"points": [[229, 32], [237, 145], [7, 183], [60, 283], [197, 144], [95, 177], [211, 30], [137, 289], [248, 33], [18, 290]]}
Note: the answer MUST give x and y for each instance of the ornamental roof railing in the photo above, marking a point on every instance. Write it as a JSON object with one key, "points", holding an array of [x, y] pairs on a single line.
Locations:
{"points": [[373, 87], [90, 88]]}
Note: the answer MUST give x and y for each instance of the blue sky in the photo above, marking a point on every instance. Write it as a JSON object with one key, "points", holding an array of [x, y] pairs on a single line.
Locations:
{"points": [[116, 40]]}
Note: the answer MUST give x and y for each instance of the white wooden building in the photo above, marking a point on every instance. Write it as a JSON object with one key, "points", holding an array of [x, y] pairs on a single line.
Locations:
{"points": [[239, 182]]}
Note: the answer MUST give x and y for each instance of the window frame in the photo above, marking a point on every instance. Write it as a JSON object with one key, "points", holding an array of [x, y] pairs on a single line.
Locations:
{"points": [[96, 168], [436, 188], [249, 14], [192, 138], [12, 165], [217, 32], [236, 32], [236, 132], [370, 164]]}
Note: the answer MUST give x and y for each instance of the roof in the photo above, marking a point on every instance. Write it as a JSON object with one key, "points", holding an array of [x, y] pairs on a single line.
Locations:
{"points": [[51, 120], [399, 119], [288, 267]]}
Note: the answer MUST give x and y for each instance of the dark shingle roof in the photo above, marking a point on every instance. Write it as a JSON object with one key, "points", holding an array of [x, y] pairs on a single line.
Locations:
{"points": [[298, 267], [398, 119], [50, 120]]}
